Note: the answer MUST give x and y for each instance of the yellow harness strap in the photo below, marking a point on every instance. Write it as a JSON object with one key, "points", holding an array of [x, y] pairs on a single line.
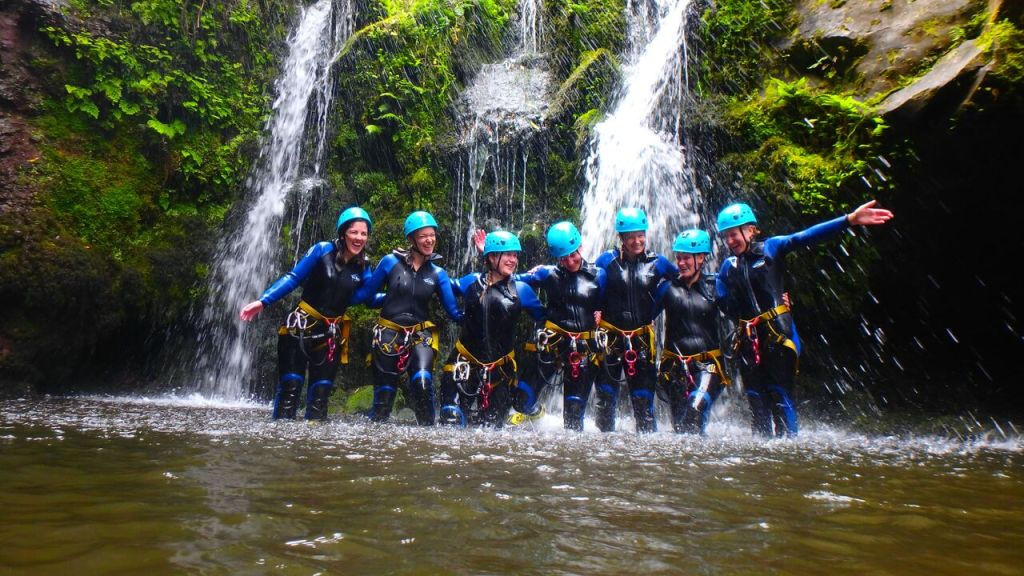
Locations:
{"points": [[549, 325], [776, 336], [435, 332], [506, 359], [702, 357], [647, 330], [346, 324]]}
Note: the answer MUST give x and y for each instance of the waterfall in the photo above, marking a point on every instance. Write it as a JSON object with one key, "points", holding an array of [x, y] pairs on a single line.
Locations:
{"points": [[636, 153], [287, 170], [502, 113]]}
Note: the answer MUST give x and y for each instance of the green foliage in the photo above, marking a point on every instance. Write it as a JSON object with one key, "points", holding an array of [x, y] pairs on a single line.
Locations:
{"points": [[1005, 42], [186, 71], [736, 39], [804, 142], [582, 28]]}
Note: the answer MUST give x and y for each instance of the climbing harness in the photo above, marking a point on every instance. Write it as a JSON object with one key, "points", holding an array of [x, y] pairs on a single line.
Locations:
{"points": [[462, 368], [301, 324], [630, 356], [403, 341], [748, 329]]}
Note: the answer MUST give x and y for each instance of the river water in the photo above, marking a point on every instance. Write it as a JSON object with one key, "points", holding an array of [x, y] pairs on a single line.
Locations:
{"points": [[127, 486]]}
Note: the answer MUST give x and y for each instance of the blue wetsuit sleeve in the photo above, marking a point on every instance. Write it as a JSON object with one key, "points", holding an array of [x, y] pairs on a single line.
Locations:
{"points": [[722, 290], [778, 246], [300, 272], [665, 268], [371, 285], [602, 281], [460, 286], [444, 291], [530, 302], [659, 295], [534, 278], [377, 301], [604, 259]]}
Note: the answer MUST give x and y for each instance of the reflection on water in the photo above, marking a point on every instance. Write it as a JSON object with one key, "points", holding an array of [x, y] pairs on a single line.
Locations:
{"points": [[119, 486]]}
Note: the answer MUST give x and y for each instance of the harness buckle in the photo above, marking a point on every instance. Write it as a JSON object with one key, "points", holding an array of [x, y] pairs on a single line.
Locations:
{"points": [[460, 371], [601, 339]]}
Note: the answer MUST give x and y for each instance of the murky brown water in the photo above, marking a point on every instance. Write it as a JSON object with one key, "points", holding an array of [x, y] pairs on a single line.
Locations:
{"points": [[94, 486]]}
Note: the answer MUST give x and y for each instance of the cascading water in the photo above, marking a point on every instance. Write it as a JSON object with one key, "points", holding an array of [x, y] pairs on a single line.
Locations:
{"points": [[636, 153], [505, 109], [289, 164]]}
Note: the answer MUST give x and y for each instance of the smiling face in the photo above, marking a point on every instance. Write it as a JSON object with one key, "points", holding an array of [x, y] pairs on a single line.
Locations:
{"points": [[424, 240], [738, 238], [689, 265], [503, 263], [573, 262], [633, 243], [355, 237]]}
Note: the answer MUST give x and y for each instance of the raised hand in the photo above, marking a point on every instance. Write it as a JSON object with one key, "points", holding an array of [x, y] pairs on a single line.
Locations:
{"points": [[868, 215]]}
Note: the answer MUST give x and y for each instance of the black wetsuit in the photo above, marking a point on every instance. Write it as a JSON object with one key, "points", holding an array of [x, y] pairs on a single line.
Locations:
{"points": [[691, 364], [750, 286], [404, 341], [475, 388], [566, 345], [628, 313], [311, 339]]}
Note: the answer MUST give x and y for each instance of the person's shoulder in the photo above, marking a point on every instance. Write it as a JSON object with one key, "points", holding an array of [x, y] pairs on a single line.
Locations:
{"points": [[606, 258]]}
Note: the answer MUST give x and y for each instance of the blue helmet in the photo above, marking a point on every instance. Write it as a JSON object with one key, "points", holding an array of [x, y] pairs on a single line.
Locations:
{"points": [[630, 220], [563, 239], [735, 215], [417, 220], [692, 242], [354, 213], [501, 241]]}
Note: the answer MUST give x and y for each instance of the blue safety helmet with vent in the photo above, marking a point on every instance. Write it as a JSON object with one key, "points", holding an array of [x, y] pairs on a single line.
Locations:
{"points": [[692, 242], [563, 239], [735, 215], [354, 213], [630, 220], [417, 220], [501, 241]]}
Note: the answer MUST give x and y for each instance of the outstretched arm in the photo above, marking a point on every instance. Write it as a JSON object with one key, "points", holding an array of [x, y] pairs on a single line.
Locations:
{"points": [[868, 215], [285, 284], [372, 285]]}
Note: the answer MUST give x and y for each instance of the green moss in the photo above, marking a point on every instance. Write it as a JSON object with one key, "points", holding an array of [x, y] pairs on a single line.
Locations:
{"points": [[1004, 41], [804, 143], [736, 40]]}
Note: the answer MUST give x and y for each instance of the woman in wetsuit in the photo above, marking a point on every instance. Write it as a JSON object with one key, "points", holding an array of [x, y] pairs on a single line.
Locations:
{"points": [[749, 290], [628, 315], [314, 337], [404, 339], [481, 370], [691, 372], [565, 346]]}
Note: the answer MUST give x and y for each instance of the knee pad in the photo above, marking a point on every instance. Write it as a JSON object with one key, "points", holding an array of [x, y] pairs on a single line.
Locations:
{"points": [[644, 395], [452, 414], [788, 411], [286, 399], [316, 399], [383, 396], [526, 398], [426, 379]]}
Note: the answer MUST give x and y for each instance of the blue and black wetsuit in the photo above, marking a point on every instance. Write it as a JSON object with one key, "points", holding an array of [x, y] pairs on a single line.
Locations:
{"points": [[404, 340], [566, 344], [479, 373], [628, 315], [691, 362], [749, 290], [314, 337]]}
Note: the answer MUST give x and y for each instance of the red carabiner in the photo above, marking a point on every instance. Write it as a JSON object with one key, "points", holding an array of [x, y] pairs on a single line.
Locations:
{"points": [[575, 364], [630, 357]]}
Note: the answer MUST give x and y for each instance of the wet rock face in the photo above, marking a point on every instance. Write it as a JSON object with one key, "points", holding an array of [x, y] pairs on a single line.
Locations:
{"points": [[876, 42]]}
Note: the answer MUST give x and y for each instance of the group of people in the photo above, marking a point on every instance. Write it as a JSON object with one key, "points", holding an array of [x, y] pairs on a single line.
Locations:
{"points": [[593, 331]]}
